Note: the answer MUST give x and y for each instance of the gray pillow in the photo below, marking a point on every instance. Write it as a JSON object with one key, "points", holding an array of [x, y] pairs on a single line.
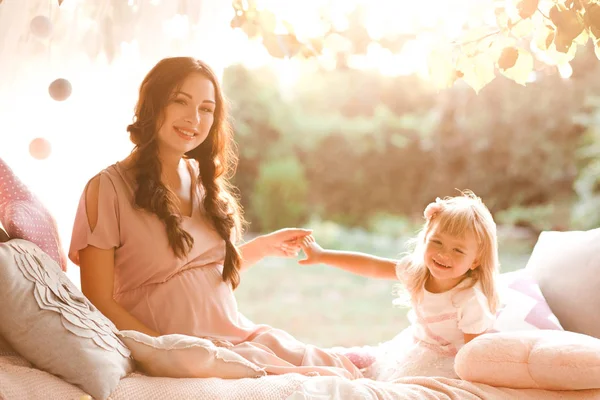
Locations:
{"points": [[566, 266], [47, 320]]}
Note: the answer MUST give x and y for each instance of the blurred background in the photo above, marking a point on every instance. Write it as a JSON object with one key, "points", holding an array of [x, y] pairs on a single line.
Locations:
{"points": [[341, 127]]}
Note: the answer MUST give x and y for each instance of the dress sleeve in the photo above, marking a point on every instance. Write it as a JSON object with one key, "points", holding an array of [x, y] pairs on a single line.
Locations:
{"points": [[401, 267], [106, 233], [474, 315]]}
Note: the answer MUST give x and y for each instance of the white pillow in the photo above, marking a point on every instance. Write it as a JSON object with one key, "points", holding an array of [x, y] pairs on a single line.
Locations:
{"points": [[566, 265], [182, 356], [522, 305]]}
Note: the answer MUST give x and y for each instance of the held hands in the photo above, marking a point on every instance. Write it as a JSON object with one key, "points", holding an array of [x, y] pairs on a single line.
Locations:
{"points": [[284, 242], [312, 251]]}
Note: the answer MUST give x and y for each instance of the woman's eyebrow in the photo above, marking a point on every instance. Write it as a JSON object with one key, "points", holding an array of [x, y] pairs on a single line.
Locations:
{"points": [[190, 97]]}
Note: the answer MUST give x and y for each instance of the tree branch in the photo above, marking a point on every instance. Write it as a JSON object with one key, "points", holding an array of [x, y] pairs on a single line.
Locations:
{"points": [[544, 15]]}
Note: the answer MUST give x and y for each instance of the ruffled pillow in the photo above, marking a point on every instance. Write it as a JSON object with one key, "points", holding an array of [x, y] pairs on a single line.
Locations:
{"points": [[182, 356], [47, 320]]}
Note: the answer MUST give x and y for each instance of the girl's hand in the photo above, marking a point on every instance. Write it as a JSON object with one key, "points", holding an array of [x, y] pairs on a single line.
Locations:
{"points": [[284, 242], [312, 250]]}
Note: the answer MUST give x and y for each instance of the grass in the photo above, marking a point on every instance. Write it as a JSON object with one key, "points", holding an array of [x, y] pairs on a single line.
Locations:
{"points": [[325, 306]]}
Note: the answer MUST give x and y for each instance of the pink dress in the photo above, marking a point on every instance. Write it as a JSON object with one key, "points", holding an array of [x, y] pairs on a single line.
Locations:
{"points": [[186, 296]]}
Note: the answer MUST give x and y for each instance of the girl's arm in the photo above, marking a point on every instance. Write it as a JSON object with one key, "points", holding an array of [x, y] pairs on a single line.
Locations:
{"points": [[354, 262]]}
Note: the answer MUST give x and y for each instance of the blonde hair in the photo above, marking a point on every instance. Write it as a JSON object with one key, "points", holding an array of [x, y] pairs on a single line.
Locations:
{"points": [[455, 216]]}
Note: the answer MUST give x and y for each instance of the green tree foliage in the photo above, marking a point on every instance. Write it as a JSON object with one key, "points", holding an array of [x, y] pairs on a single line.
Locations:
{"points": [[279, 198], [586, 213], [371, 144]]}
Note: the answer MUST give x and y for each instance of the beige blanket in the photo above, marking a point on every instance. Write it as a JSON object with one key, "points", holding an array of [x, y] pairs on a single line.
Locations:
{"points": [[19, 380]]}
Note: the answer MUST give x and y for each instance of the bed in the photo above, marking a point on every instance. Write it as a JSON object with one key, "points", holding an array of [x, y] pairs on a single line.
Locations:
{"points": [[544, 346]]}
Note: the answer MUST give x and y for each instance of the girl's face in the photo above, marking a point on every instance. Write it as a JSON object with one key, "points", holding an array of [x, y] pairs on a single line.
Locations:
{"points": [[188, 116], [449, 258]]}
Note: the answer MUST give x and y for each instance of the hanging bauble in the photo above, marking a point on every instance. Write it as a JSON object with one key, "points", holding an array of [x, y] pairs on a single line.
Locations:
{"points": [[60, 89], [41, 26], [40, 148]]}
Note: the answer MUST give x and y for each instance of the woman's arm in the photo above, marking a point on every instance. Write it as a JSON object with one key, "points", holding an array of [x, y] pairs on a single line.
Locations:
{"points": [[356, 263], [97, 273], [281, 243], [97, 277], [252, 252]]}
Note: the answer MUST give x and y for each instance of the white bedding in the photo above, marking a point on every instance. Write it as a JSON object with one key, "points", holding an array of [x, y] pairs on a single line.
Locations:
{"points": [[19, 380]]}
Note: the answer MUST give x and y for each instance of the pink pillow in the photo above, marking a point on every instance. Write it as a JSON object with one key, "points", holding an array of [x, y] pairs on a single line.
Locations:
{"points": [[522, 305], [25, 217], [542, 359]]}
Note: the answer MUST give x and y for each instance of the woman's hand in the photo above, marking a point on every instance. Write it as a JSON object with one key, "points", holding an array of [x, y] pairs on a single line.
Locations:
{"points": [[312, 251], [284, 242]]}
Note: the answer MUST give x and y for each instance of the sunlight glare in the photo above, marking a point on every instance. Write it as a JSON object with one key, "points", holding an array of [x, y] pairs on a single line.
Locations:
{"points": [[441, 19], [565, 70]]}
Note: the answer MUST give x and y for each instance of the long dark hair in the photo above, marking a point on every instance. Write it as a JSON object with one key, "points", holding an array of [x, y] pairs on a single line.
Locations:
{"points": [[216, 158]]}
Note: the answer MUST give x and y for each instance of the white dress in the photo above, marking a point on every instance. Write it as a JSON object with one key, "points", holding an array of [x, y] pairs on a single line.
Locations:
{"points": [[438, 324]]}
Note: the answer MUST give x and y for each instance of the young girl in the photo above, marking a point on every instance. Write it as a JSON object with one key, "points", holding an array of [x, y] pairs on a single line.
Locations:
{"points": [[448, 279]]}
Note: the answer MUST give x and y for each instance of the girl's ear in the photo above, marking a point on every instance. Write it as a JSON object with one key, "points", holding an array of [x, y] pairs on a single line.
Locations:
{"points": [[475, 264]]}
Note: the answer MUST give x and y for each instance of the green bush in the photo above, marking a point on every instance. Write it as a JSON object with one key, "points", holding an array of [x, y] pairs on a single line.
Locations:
{"points": [[537, 218], [372, 145], [586, 213], [279, 198]]}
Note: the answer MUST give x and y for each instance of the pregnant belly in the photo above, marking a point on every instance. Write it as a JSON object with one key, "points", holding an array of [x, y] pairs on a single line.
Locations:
{"points": [[195, 302]]}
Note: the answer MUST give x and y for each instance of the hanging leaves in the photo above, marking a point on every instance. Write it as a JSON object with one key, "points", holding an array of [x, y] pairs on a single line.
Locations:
{"points": [[522, 28], [60, 2], [281, 46], [508, 58], [568, 25], [544, 37], [527, 8], [267, 20], [553, 28], [591, 19], [522, 68], [477, 71], [441, 68]]}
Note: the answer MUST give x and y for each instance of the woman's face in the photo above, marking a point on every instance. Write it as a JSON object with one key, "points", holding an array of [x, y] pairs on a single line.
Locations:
{"points": [[188, 116]]}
